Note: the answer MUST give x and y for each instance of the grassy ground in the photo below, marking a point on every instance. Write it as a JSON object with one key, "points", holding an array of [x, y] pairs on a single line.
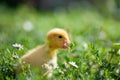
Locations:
{"points": [[93, 35]]}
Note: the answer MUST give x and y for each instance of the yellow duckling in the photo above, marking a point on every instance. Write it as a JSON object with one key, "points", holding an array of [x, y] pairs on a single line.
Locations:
{"points": [[45, 55]]}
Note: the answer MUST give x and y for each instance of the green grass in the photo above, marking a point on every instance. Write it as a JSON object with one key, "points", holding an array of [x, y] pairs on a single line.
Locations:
{"points": [[93, 36]]}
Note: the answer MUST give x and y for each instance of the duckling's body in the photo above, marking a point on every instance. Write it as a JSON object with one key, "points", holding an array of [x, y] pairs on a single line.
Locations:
{"points": [[39, 56]]}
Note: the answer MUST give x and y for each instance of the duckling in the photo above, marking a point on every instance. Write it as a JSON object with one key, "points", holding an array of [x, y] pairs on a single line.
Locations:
{"points": [[45, 55]]}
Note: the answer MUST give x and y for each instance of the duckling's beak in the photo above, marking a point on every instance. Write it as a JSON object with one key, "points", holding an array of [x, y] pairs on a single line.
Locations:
{"points": [[66, 44]]}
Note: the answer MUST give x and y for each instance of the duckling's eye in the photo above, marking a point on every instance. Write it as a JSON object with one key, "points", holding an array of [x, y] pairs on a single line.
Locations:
{"points": [[60, 36]]}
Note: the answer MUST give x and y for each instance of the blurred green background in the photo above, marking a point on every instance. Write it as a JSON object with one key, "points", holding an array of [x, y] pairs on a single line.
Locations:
{"points": [[92, 19], [87, 21]]}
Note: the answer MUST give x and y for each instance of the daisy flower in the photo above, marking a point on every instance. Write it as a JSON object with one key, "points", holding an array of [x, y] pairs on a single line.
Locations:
{"points": [[73, 64], [46, 66], [18, 46], [15, 57]]}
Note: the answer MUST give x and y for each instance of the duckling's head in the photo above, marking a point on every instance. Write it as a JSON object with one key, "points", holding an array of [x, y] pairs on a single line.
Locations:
{"points": [[58, 39]]}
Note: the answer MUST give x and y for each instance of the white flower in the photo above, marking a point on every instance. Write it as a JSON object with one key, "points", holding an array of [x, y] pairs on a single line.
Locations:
{"points": [[85, 45], [119, 63], [117, 71], [86, 73], [60, 71], [66, 65], [27, 26], [56, 66], [119, 51], [18, 46], [73, 64], [102, 72], [91, 63], [15, 57], [46, 66]]}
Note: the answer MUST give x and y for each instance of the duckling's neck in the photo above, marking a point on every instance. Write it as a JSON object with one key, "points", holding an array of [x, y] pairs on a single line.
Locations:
{"points": [[51, 50]]}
